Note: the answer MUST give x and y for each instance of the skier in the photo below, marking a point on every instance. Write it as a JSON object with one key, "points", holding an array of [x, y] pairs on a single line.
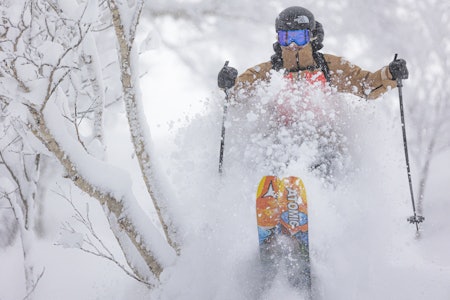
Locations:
{"points": [[298, 58], [296, 54]]}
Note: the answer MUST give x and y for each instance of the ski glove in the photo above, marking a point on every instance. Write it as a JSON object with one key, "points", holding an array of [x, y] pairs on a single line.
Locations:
{"points": [[227, 77], [398, 69]]}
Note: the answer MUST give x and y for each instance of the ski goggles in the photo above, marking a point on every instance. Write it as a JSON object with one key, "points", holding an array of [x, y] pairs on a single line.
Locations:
{"points": [[300, 37]]}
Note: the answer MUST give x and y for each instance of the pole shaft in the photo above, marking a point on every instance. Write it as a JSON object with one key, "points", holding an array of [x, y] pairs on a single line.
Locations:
{"points": [[405, 146], [222, 136]]}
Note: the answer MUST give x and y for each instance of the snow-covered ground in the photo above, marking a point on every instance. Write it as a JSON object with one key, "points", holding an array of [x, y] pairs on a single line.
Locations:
{"points": [[361, 245]]}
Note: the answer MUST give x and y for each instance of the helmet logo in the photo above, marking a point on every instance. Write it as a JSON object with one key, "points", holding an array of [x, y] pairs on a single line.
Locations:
{"points": [[302, 20]]}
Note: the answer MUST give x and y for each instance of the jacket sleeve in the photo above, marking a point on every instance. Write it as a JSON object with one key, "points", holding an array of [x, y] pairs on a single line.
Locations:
{"points": [[250, 76], [245, 82], [349, 78]]}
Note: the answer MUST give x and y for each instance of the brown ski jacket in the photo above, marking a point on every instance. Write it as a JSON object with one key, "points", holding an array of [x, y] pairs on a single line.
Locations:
{"points": [[343, 75]]}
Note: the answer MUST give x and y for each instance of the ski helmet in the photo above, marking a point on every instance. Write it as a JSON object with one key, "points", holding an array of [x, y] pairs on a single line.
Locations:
{"points": [[318, 34], [295, 18]]}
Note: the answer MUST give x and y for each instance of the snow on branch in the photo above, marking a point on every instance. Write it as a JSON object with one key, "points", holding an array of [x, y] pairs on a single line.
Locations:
{"points": [[136, 119], [91, 242], [45, 65], [110, 186]]}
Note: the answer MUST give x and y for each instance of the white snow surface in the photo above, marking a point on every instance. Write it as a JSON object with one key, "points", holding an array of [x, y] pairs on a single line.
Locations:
{"points": [[361, 245]]}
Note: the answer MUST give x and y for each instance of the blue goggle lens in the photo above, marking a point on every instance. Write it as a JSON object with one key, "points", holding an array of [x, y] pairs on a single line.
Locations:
{"points": [[300, 37]]}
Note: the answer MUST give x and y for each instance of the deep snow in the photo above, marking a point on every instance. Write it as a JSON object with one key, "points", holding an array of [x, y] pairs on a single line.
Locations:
{"points": [[361, 245]]}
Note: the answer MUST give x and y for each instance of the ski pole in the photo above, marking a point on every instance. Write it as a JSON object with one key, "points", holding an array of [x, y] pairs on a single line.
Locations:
{"points": [[415, 219], [224, 117]]}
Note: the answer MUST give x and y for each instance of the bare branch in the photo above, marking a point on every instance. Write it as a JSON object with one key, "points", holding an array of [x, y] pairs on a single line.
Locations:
{"points": [[19, 188], [53, 86], [34, 285], [108, 201], [104, 252], [136, 18]]}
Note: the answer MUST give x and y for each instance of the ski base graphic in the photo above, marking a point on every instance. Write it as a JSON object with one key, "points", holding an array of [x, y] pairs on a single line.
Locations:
{"points": [[282, 219]]}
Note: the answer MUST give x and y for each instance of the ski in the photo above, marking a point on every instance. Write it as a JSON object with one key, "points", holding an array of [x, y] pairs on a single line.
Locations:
{"points": [[282, 220], [267, 213]]}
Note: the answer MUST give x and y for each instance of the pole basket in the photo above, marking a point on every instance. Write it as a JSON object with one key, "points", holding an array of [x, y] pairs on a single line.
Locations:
{"points": [[416, 219]]}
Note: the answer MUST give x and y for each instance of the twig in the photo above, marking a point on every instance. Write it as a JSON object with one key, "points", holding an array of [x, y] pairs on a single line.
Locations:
{"points": [[35, 284], [102, 251]]}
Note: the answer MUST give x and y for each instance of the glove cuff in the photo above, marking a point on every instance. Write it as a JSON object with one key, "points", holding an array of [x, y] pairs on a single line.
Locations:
{"points": [[386, 74]]}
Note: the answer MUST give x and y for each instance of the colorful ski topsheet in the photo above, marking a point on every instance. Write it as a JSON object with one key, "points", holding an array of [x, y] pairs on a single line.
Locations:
{"points": [[281, 205], [294, 209], [282, 218], [267, 202]]}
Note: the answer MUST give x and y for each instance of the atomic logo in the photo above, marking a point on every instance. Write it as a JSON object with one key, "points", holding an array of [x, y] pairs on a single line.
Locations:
{"points": [[270, 192], [293, 216]]}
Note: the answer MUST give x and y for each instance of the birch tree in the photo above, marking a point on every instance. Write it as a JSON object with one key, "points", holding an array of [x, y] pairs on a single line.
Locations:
{"points": [[19, 177], [50, 84], [126, 34], [431, 99], [54, 84]]}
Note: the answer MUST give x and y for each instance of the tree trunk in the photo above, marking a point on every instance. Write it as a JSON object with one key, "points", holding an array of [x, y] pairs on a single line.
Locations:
{"points": [[118, 218], [137, 122]]}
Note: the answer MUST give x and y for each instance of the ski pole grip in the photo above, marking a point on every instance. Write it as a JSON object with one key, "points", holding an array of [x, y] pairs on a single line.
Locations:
{"points": [[399, 80]]}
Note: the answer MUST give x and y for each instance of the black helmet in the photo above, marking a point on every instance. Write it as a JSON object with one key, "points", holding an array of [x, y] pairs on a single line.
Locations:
{"points": [[295, 18], [318, 34]]}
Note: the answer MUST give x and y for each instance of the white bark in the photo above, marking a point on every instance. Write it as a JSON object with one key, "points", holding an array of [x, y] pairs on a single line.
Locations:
{"points": [[49, 46], [126, 228], [136, 118], [95, 77], [22, 202]]}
